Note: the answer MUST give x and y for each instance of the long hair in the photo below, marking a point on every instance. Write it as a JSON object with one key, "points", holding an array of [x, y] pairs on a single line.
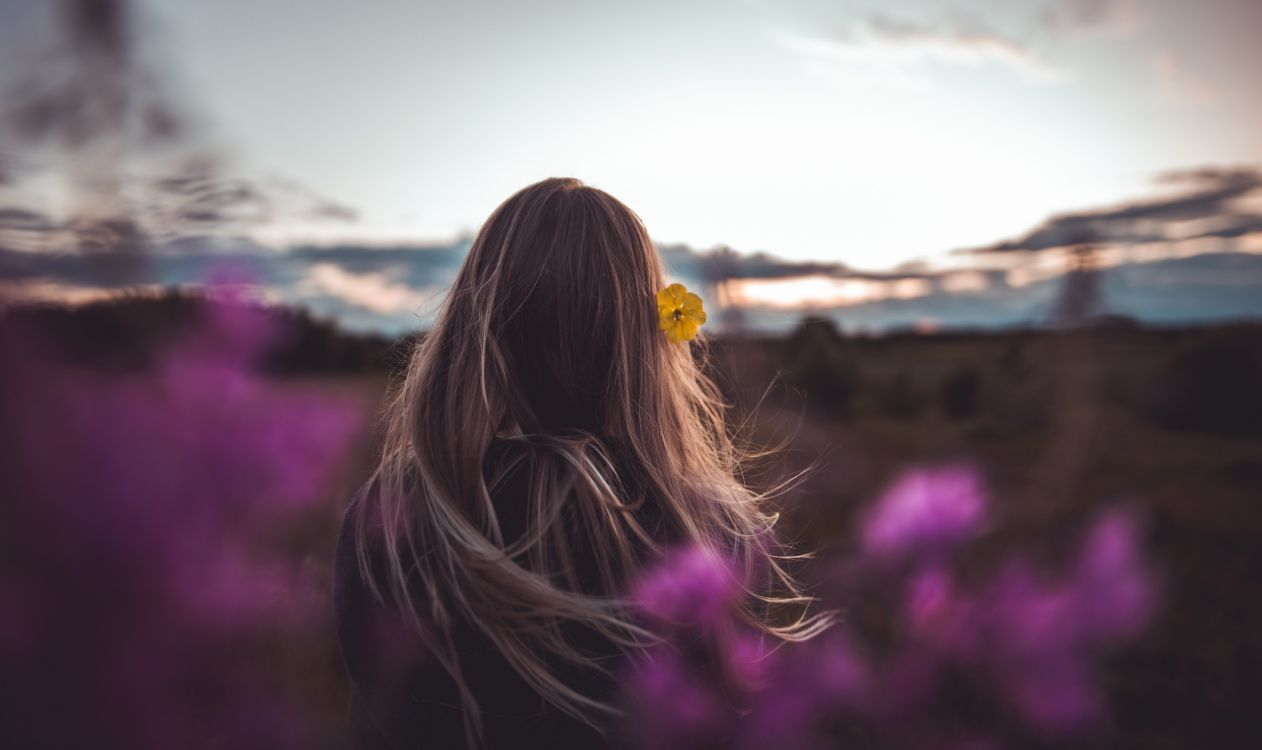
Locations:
{"points": [[549, 338]]}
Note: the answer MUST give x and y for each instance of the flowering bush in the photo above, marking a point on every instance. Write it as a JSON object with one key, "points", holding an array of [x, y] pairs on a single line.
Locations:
{"points": [[976, 663], [142, 577]]}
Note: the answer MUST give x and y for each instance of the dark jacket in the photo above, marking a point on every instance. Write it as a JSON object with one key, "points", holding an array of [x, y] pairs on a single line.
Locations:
{"points": [[401, 697]]}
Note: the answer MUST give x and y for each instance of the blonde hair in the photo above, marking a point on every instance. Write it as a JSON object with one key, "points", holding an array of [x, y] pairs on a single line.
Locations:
{"points": [[549, 338]]}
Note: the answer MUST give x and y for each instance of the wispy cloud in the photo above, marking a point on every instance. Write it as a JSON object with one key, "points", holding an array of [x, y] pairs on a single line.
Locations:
{"points": [[887, 43], [391, 289], [394, 290], [375, 292], [1091, 16], [167, 208], [1206, 203], [25, 220]]}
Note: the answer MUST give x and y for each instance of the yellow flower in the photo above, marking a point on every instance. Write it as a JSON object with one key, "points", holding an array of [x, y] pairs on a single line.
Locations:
{"points": [[680, 313]]}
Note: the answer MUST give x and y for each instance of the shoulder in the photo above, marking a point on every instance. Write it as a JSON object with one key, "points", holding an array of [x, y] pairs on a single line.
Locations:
{"points": [[364, 614], [399, 695], [352, 596], [348, 579]]}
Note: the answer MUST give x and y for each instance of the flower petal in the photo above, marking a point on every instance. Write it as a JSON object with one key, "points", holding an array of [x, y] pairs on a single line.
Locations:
{"points": [[692, 303], [678, 293]]}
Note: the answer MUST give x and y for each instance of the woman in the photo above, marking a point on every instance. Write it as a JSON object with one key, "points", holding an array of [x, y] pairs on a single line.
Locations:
{"points": [[552, 435]]}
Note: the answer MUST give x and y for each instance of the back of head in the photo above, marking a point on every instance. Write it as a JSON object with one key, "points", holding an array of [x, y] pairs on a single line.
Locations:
{"points": [[558, 287], [549, 340]]}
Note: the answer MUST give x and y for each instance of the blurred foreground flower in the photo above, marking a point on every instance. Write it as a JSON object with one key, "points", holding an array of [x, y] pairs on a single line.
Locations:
{"points": [[694, 586], [1001, 660], [925, 512], [136, 590]]}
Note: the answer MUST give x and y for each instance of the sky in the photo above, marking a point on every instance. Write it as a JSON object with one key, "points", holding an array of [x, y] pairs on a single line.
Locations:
{"points": [[867, 133], [851, 153]]}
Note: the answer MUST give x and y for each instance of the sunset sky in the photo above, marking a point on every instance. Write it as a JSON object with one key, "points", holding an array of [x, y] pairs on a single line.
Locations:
{"points": [[879, 151], [869, 133]]}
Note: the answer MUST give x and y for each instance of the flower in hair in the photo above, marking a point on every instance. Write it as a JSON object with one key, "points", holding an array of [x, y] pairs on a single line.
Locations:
{"points": [[680, 313]]}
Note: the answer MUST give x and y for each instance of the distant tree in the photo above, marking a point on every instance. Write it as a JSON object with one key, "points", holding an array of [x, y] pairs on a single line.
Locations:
{"points": [[130, 331]]}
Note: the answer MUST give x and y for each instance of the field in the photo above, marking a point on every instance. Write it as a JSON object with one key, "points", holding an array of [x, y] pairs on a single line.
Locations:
{"points": [[1166, 424]]}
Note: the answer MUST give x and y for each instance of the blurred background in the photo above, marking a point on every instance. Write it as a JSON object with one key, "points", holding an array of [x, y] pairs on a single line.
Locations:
{"points": [[1025, 237]]}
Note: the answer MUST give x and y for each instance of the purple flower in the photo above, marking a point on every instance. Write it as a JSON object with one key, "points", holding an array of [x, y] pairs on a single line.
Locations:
{"points": [[926, 511], [141, 506], [1043, 630], [690, 586], [806, 686], [940, 615], [672, 706], [1115, 593]]}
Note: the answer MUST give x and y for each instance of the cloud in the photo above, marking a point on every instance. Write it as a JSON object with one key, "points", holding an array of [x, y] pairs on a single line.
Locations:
{"points": [[724, 263], [384, 288], [202, 201], [14, 218], [387, 289], [374, 292], [393, 290], [42, 290], [309, 203], [886, 42], [162, 210], [1203, 288], [1091, 16], [1207, 203]]}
